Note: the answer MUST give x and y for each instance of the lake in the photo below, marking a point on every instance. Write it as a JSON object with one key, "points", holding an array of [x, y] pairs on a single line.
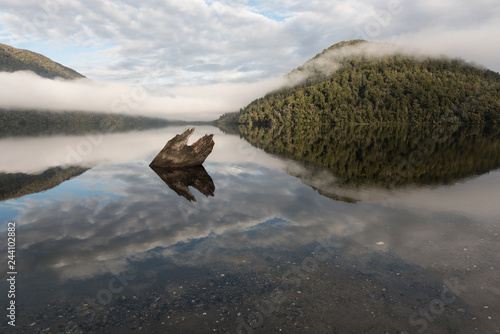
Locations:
{"points": [[351, 229]]}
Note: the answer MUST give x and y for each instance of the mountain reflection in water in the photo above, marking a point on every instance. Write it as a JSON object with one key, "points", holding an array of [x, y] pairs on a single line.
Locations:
{"points": [[385, 156], [113, 249]]}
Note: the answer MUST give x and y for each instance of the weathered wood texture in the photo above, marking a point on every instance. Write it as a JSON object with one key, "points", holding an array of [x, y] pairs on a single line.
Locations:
{"points": [[177, 153]]}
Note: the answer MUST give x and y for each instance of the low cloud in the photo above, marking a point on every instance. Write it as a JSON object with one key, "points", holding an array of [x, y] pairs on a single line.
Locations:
{"points": [[331, 60], [472, 44], [26, 90]]}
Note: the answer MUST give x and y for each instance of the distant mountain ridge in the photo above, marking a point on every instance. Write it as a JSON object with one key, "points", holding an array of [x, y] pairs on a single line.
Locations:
{"points": [[15, 122], [13, 59]]}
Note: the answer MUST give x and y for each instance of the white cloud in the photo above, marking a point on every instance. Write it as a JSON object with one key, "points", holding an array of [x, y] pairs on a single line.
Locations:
{"points": [[189, 36], [474, 44]]}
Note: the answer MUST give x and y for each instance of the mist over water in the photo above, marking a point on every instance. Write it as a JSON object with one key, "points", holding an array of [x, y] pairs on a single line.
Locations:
{"points": [[204, 103]]}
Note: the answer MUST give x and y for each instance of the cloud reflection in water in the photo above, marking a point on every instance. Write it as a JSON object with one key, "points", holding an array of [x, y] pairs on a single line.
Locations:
{"points": [[116, 217]]}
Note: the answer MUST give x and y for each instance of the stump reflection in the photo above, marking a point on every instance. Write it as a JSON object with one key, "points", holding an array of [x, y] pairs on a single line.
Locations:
{"points": [[179, 179]]}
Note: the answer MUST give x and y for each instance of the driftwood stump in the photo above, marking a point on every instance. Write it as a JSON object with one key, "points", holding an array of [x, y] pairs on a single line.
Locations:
{"points": [[177, 153]]}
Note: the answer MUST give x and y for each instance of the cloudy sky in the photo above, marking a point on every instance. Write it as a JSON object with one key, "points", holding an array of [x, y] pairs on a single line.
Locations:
{"points": [[173, 43]]}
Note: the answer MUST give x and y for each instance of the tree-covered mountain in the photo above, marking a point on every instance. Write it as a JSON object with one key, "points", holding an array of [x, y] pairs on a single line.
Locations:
{"points": [[13, 59], [363, 82]]}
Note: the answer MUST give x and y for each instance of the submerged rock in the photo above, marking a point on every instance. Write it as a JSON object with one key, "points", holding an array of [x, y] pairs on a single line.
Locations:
{"points": [[177, 153]]}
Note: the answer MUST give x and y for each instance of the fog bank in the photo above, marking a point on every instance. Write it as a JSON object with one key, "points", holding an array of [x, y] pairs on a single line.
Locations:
{"points": [[26, 90]]}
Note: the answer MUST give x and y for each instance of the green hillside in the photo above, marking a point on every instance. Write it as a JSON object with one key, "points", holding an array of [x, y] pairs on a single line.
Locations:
{"points": [[342, 86], [13, 59]]}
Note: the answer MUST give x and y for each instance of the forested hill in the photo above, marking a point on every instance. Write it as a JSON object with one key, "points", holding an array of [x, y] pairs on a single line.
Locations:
{"points": [[345, 84], [13, 59]]}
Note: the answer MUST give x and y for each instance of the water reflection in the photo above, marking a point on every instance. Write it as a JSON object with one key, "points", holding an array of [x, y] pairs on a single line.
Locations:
{"points": [[34, 155], [385, 156], [179, 179], [381, 258], [14, 185]]}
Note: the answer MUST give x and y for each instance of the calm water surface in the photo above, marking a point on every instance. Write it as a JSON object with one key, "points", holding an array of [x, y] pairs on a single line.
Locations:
{"points": [[281, 246]]}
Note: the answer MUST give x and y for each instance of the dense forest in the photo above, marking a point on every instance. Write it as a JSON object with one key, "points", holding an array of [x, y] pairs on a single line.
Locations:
{"points": [[13, 59], [16, 185], [350, 87], [384, 156], [37, 123]]}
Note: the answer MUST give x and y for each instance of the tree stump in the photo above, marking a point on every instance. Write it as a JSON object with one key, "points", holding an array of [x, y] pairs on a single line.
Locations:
{"points": [[177, 153]]}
